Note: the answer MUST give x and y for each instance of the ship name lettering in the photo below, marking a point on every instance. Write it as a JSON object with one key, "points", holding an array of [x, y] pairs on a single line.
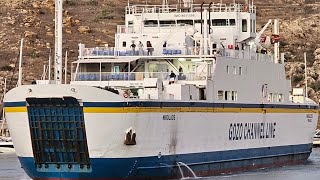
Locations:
{"points": [[244, 131], [184, 15], [169, 117]]}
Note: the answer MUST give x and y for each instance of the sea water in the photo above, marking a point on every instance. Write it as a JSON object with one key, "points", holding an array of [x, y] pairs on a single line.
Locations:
{"points": [[10, 169]]}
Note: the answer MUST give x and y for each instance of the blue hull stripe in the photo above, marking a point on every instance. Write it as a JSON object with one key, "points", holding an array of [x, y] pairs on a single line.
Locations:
{"points": [[15, 104], [165, 166], [178, 104]]}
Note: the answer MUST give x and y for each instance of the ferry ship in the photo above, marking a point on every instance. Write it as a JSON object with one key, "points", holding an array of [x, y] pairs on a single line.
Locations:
{"points": [[185, 86]]}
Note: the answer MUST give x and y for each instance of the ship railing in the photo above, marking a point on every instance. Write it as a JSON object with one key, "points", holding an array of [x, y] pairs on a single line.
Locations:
{"points": [[243, 54], [216, 7], [99, 51], [122, 29], [134, 76], [174, 51], [138, 9], [111, 51]]}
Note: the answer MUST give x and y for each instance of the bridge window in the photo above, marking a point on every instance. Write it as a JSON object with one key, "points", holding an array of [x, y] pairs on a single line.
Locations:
{"points": [[124, 44], [240, 71], [167, 23], [189, 22], [244, 25], [219, 22], [232, 22], [151, 23]]}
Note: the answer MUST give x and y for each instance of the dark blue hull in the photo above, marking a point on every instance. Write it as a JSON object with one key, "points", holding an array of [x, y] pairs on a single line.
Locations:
{"points": [[165, 167]]}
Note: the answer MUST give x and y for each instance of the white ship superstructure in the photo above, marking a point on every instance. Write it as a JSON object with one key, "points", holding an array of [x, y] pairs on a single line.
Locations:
{"points": [[186, 83]]}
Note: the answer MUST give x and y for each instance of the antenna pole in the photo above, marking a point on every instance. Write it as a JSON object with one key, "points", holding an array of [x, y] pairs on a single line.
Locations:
{"points": [[201, 17], [49, 66], [210, 17], [20, 64], [58, 42], [65, 68], [305, 73]]}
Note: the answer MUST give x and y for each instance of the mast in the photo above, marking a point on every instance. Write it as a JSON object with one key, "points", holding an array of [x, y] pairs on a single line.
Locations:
{"points": [[20, 64], [276, 44], [58, 42]]}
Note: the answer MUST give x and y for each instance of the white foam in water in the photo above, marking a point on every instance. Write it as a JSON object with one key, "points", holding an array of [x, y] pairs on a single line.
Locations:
{"points": [[183, 164]]}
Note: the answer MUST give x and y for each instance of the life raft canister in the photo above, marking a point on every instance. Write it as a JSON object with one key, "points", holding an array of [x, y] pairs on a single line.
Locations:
{"points": [[275, 38]]}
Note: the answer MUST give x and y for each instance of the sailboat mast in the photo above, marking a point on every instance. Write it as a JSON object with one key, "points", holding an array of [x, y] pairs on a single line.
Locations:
{"points": [[58, 42]]}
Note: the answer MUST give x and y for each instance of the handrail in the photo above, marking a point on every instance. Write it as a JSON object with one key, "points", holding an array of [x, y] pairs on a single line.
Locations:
{"points": [[133, 76], [216, 7]]}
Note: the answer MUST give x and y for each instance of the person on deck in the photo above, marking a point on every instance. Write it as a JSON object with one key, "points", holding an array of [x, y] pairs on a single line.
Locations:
{"points": [[149, 48], [133, 48], [164, 45], [140, 46], [172, 77]]}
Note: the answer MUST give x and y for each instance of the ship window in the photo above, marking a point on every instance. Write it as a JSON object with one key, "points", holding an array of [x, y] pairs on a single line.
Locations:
{"points": [[219, 22], [251, 30], [275, 97], [220, 95], [232, 22], [227, 69], [198, 21], [166, 23], [214, 46], [234, 70], [151, 23], [226, 95], [116, 69], [280, 97], [240, 71], [244, 25], [124, 44], [269, 97], [130, 22], [254, 26], [234, 96], [190, 22], [229, 94]]}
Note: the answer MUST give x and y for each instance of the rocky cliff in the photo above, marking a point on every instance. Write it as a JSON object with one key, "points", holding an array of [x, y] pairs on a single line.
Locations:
{"points": [[93, 22]]}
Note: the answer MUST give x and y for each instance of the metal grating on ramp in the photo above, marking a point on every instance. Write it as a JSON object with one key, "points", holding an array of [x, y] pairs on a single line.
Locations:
{"points": [[58, 132]]}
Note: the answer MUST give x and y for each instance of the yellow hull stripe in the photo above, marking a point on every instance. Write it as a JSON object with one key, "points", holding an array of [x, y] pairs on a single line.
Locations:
{"points": [[195, 109], [15, 109], [177, 110]]}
